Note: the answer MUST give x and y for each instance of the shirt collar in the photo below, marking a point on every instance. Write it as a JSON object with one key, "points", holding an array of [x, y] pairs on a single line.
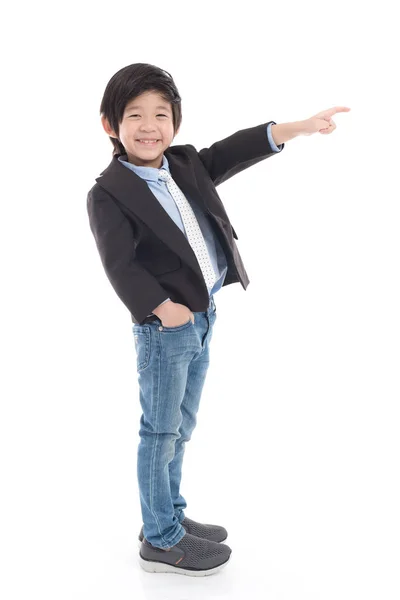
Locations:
{"points": [[147, 173]]}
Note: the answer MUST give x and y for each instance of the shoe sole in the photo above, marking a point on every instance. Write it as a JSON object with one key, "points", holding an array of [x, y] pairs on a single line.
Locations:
{"points": [[160, 567]]}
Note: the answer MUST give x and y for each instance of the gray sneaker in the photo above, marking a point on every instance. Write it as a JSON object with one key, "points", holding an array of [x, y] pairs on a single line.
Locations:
{"points": [[191, 556], [215, 533]]}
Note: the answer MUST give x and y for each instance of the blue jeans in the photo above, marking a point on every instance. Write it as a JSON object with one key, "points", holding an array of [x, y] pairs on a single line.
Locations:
{"points": [[172, 364]]}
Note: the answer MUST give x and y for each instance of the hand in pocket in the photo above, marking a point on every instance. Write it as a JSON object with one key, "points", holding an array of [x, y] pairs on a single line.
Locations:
{"points": [[177, 315]]}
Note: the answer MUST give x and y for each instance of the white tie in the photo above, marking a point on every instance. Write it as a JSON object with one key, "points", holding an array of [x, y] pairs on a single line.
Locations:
{"points": [[193, 231]]}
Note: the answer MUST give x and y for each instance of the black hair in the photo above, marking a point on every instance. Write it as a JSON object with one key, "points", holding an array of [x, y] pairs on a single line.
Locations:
{"points": [[128, 83]]}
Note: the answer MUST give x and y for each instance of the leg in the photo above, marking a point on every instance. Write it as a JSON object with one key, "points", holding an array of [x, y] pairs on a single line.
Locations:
{"points": [[163, 357], [197, 372]]}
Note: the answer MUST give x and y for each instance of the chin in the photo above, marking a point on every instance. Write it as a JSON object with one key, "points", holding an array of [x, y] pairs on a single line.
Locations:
{"points": [[144, 158]]}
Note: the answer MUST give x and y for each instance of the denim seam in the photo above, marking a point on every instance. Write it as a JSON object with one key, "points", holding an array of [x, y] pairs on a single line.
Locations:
{"points": [[156, 448]]}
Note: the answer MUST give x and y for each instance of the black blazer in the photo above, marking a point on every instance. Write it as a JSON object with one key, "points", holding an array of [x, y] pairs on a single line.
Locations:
{"points": [[145, 255]]}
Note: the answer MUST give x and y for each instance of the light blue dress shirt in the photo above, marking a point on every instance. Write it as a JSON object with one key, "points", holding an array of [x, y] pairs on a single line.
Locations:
{"points": [[161, 192]]}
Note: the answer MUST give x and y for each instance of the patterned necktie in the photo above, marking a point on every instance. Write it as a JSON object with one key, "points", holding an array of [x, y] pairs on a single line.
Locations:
{"points": [[193, 231]]}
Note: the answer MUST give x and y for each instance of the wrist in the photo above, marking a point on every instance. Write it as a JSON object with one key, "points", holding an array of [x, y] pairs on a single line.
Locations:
{"points": [[301, 127], [162, 308], [283, 132]]}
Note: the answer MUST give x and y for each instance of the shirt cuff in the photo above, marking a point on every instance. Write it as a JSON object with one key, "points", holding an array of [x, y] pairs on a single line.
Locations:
{"points": [[274, 147], [151, 314]]}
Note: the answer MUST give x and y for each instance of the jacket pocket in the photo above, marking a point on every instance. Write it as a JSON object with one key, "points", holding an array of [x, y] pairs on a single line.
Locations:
{"points": [[158, 265]]}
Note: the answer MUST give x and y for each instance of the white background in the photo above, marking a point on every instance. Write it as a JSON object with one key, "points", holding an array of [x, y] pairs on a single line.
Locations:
{"points": [[296, 451]]}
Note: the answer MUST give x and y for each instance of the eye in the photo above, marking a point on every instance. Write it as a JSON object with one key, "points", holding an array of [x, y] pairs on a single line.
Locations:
{"points": [[159, 115]]}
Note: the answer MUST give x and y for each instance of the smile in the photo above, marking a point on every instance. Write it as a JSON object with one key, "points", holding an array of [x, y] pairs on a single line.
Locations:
{"points": [[149, 143]]}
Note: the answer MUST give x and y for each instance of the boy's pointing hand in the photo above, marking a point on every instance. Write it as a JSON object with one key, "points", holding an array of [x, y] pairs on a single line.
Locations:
{"points": [[322, 122]]}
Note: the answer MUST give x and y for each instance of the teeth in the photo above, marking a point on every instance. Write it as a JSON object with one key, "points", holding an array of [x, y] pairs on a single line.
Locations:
{"points": [[148, 141]]}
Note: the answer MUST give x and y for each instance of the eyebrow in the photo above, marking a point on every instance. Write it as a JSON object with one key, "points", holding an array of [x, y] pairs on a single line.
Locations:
{"points": [[138, 106]]}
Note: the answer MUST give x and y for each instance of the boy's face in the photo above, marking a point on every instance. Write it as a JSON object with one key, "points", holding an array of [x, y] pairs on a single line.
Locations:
{"points": [[147, 116]]}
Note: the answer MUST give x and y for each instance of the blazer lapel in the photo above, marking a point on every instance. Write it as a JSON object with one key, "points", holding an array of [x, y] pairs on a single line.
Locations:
{"points": [[133, 191]]}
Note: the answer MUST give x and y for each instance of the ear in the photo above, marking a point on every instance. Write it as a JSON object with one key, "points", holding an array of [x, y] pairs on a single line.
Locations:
{"points": [[107, 128]]}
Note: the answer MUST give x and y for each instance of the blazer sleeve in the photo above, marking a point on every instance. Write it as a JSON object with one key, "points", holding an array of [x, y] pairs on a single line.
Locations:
{"points": [[237, 152], [137, 288]]}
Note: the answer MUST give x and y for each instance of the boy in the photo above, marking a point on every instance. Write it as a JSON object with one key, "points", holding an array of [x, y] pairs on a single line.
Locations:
{"points": [[167, 247]]}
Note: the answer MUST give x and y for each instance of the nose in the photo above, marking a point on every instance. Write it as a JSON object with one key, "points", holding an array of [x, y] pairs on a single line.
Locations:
{"points": [[145, 125]]}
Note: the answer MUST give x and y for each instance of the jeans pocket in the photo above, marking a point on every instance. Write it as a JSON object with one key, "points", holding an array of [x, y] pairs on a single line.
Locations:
{"points": [[178, 327], [142, 345]]}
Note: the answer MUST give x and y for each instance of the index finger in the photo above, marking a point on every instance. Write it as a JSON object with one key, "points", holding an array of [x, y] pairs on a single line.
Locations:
{"points": [[337, 109]]}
